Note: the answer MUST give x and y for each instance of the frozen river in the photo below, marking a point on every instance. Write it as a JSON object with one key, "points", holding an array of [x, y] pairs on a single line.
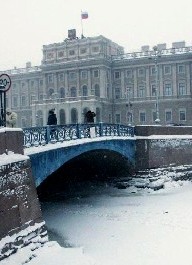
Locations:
{"points": [[125, 226]]}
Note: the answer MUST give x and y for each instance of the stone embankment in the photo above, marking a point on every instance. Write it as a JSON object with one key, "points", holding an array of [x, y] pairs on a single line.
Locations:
{"points": [[20, 215]]}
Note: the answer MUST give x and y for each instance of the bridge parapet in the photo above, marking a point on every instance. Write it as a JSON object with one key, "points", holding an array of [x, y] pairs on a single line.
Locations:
{"points": [[36, 136], [161, 146], [11, 140]]}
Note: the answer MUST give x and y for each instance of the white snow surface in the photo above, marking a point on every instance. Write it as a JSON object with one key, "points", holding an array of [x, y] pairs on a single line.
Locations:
{"points": [[131, 226]]}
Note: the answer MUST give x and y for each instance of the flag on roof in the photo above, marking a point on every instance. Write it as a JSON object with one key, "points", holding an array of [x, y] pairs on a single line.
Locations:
{"points": [[84, 15]]}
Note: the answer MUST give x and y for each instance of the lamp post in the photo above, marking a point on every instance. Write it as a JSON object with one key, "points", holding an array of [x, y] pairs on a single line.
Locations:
{"points": [[128, 105], [156, 54]]}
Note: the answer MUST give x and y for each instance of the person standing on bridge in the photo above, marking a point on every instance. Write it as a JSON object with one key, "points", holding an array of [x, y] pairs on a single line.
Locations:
{"points": [[52, 119], [11, 118], [89, 116]]}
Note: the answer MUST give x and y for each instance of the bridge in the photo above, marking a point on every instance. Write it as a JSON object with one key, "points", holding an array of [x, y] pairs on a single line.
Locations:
{"points": [[50, 147], [137, 148]]}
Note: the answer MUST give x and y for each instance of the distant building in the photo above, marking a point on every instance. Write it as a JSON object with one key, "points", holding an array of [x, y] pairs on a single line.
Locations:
{"points": [[95, 74]]}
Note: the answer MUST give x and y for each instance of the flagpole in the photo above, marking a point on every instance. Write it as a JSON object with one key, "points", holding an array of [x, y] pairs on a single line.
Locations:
{"points": [[81, 26]]}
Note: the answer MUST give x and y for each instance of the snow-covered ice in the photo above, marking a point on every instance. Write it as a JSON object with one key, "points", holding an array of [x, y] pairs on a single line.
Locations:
{"points": [[118, 227]]}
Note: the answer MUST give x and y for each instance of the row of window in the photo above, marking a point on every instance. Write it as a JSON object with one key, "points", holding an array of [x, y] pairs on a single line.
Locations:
{"points": [[71, 52], [141, 72], [168, 117], [61, 76], [51, 93], [141, 91]]}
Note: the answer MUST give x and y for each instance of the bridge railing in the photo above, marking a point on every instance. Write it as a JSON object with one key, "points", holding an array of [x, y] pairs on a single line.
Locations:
{"points": [[36, 136]]}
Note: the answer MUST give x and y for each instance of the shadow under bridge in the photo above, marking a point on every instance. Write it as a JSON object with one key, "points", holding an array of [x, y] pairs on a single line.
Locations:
{"points": [[103, 158]]}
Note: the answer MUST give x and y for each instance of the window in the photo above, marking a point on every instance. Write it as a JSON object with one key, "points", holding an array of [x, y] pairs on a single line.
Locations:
{"points": [[41, 82], [74, 116], [141, 91], [73, 92], [32, 83], [182, 115], [167, 69], [141, 71], [153, 70], [72, 76], [61, 77], [181, 69], [23, 101], [83, 50], [62, 116], [142, 116], [71, 52], [84, 91], [51, 92], [50, 55], [129, 73], [60, 54], [41, 97], [96, 73], [15, 101], [33, 97], [167, 89], [62, 92], [182, 89], [97, 90], [153, 90], [168, 116], [117, 93], [95, 49], [117, 118], [84, 74], [50, 78], [117, 75]]}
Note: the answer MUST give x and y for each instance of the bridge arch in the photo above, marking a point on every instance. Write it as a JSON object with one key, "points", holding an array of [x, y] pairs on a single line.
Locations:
{"points": [[47, 162]]}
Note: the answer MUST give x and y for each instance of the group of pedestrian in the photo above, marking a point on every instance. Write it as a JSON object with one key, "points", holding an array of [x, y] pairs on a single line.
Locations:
{"points": [[11, 118], [52, 119]]}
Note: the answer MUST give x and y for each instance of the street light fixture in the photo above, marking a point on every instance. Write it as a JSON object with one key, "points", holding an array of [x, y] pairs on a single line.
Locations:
{"points": [[156, 54]]}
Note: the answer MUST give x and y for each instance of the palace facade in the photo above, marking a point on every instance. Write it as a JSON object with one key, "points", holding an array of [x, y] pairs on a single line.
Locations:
{"points": [[94, 73]]}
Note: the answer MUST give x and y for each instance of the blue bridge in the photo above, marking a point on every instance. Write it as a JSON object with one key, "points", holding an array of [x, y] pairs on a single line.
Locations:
{"points": [[109, 146]]}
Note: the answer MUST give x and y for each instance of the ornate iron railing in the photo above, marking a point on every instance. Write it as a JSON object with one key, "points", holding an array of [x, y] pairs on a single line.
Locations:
{"points": [[36, 136]]}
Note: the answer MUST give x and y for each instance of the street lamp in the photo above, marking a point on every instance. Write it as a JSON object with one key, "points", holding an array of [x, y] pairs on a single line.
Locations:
{"points": [[129, 105], [156, 54]]}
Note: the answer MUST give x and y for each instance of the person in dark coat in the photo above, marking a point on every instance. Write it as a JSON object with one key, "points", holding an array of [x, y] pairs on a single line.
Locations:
{"points": [[52, 119], [89, 116]]}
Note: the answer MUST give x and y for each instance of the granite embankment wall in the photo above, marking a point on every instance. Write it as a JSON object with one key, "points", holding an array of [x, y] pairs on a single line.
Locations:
{"points": [[158, 146], [21, 220]]}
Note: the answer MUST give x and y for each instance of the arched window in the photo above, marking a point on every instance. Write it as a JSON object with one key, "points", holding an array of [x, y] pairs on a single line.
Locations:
{"points": [[62, 117], [84, 91], [39, 118], [74, 116], [84, 112], [73, 92], [51, 92], [62, 92], [98, 115], [97, 90]]}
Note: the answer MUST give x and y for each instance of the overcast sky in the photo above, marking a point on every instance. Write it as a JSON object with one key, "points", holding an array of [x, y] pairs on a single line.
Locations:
{"points": [[26, 25]]}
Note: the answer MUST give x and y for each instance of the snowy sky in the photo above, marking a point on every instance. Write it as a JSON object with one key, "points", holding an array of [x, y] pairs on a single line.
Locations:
{"points": [[27, 25]]}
